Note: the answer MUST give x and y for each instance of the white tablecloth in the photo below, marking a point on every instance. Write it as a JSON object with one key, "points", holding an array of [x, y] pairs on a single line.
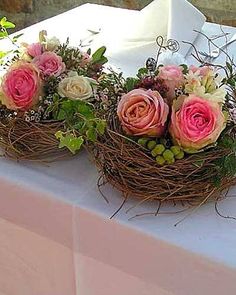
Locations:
{"points": [[56, 237]]}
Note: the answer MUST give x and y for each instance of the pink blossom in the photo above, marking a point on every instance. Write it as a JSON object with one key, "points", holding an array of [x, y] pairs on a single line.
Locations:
{"points": [[35, 49], [50, 64], [203, 71], [21, 86], [196, 122], [173, 78], [143, 112], [85, 59]]}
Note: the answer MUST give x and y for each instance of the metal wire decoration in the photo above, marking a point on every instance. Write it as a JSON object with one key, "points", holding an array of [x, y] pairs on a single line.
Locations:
{"points": [[171, 45]]}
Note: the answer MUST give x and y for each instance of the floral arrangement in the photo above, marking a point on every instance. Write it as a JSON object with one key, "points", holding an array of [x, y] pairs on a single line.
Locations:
{"points": [[46, 94], [170, 132]]}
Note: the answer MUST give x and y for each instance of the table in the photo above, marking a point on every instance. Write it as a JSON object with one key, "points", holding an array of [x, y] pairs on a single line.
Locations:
{"points": [[56, 236]]}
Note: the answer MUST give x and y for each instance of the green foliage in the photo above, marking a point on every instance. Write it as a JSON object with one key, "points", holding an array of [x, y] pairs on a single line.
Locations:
{"points": [[98, 56], [16, 37], [142, 72], [80, 119], [226, 141], [229, 67], [226, 165], [101, 126], [70, 110], [4, 23], [130, 84], [4, 26], [4, 53], [71, 56], [185, 68], [70, 141]]}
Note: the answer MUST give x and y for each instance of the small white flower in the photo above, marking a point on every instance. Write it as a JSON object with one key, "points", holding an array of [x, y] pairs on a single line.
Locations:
{"points": [[169, 58], [217, 95], [51, 44]]}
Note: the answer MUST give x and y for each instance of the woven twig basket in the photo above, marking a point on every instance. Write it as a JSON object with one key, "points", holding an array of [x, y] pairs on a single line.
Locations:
{"points": [[128, 167], [21, 140]]}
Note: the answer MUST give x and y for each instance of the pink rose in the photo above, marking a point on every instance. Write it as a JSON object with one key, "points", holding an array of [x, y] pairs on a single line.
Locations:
{"points": [[196, 122], [50, 64], [35, 49], [85, 59], [143, 112], [173, 78], [21, 86], [203, 71]]}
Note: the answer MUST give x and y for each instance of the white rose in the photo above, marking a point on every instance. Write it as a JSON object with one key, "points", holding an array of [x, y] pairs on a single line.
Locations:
{"points": [[51, 44], [76, 87]]}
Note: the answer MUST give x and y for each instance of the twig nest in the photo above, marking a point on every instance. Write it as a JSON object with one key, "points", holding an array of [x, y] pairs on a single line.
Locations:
{"points": [[33, 141], [126, 165]]}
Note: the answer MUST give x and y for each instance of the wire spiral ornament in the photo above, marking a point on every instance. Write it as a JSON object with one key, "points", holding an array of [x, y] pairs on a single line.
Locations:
{"points": [[171, 45]]}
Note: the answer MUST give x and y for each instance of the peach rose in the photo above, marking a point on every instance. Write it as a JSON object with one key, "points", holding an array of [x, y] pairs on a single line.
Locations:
{"points": [[143, 112], [196, 122], [21, 86], [50, 64], [173, 78]]}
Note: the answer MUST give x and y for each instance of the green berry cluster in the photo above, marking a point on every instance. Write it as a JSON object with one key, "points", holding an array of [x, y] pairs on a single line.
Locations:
{"points": [[162, 151]]}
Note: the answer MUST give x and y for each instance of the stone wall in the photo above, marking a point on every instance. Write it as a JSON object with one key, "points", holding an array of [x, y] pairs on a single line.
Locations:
{"points": [[26, 12], [218, 11]]}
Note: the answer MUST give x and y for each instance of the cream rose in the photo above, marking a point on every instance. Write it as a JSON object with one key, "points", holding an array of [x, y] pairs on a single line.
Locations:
{"points": [[51, 44], [76, 87]]}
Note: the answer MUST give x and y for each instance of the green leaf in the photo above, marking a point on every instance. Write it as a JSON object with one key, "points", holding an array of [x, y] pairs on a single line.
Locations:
{"points": [[227, 141], [229, 66], [230, 164], [2, 21], [91, 134], [185, 68], [80, 126], [99, 55], [130, 83], [142, 72], [101, 127], [85, 109], [16, 37], [231, 82], [70, 141], [3, 34], [66, 110], [9, 25], [89, 51], [4, 53], [6, 24], [103, 60]]}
